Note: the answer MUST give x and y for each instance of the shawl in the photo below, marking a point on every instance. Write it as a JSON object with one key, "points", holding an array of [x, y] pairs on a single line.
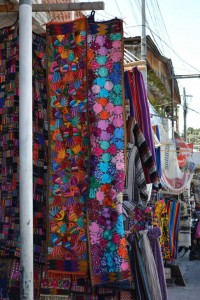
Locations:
{"points": [[68, 150], [107, 243], [153, 235]]}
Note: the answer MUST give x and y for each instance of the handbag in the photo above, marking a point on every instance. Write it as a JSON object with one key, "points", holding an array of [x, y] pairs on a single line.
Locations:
{"points": [[197, 233]]}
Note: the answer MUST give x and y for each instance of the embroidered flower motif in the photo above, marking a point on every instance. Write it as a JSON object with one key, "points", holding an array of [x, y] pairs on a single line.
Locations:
{"points": [[94, 65], [105, 188], [95, 46], [120, 165], [124, 266], [103, 93], [97, 108], [101, 81], [101, 59], [96, 131], [102, 124], [105, 136], [109, 65], [115, 36], [104, 145], [118, 89], [115, 55], [108, 235], [103, 51], [106, 157], [100, 40], [111, 247], [100, 196], [104, 166], [118, 122], [107, 201], [106, 178], [122, 251], [116, 239], [117, 44], [110, 129], [108, 85], [115, 78], [107, 44], [104, 115], [103, 72], [118, 110], [98, 152], [109, 107], [96, 89]]}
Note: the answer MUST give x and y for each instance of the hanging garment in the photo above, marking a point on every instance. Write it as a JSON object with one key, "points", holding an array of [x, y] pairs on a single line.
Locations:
{"points": [[135, 135], [107, 243], [150, 266], [160, 219], [135, 190], [173, 210], [141, 108], [158, 151], [68, 150], [154, 235], [9, 141]]}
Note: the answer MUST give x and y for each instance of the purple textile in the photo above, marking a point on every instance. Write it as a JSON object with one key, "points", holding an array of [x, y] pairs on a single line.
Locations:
{"points": [[144, 107], [153, 235]]}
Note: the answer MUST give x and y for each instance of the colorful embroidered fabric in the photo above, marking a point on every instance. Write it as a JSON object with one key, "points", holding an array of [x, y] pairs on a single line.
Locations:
{"points": [[69, 144], [9, 143], [106, 232], [174, 212], [160, 219]]}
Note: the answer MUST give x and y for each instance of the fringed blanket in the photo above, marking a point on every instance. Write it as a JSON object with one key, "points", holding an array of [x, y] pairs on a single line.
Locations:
{"points": [[69, 149], [107, 244]]}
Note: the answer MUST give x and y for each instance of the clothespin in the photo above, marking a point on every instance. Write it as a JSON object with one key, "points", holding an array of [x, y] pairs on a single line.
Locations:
{"points": [[91, 17]]}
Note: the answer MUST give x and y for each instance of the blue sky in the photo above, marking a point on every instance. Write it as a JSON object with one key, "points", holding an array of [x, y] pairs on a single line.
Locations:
{"points": [[181, 33]]}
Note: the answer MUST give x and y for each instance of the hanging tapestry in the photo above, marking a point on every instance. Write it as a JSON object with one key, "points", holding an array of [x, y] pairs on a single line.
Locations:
{"points": [[9, 143], [9, 150], [160, 219], [107, 244], [173, 210], [69, 144], [40, 146]]}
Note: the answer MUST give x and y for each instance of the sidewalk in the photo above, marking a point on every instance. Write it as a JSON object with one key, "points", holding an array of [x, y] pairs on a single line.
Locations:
{"points": [[191, 273]]}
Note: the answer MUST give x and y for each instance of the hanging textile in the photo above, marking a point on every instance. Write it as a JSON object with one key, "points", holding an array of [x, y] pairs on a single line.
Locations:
{"points": [[106, 232], [141, 107], [138, 269], [69, 150], [5, 265], [154, 235], [9, 141], [160, 219], [148, 163], [173, 210], [158, 151], [150, 266]]}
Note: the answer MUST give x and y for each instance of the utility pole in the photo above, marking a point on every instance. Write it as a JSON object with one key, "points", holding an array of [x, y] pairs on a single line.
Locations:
{"points": [[185, 114], [143, 42], [26, 149], [172, 100]]}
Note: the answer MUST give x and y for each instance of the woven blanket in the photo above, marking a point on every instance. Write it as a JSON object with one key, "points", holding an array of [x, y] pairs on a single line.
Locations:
{"points": [[107, 244], [69, 148], [9, 143]]}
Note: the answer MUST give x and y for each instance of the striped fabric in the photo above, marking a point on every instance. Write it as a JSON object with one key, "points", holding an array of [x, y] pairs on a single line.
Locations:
{"points": [[173, 210], [148, 162]]}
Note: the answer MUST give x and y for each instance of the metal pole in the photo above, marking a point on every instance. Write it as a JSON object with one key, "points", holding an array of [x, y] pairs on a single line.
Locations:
{"points": [[143, 42], [185, 114], [25, 149]]}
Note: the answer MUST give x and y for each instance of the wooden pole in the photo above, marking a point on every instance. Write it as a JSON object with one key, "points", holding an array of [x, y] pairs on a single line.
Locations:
{"points": [[81, 6]]}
